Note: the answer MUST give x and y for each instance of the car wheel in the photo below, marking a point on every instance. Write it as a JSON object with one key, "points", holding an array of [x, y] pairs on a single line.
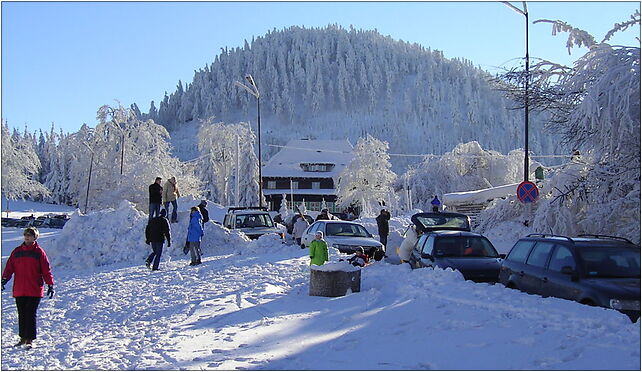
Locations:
{"points": [[302, 246], [588, 301], [511, 285]]}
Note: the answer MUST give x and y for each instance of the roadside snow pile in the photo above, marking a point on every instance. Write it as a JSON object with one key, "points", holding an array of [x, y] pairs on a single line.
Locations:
{"points": [[118, 235], [100, 238]]}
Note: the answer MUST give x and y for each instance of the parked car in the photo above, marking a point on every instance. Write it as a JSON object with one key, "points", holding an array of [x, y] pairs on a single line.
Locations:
{"points": [[289, 223], [343, 235], [447, 242], [56, 221], [253, 221], [9, 222], [596, 270]]}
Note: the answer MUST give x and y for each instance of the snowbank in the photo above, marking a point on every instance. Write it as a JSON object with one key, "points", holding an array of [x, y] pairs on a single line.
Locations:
{"points": [[479, 196]]}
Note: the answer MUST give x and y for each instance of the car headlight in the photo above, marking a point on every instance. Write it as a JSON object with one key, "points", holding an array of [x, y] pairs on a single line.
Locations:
{"points": [[624, 304]]}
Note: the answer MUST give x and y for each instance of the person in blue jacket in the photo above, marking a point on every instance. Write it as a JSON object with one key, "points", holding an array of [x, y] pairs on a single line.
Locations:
{"points": [[194, 235]]}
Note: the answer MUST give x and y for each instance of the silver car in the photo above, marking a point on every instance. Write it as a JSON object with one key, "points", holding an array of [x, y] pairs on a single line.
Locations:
{"points": [[254, 222], [345, 236]]}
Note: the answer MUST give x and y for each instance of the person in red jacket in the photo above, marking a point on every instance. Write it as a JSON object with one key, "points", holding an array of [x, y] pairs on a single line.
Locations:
{"points": [[30, 265]]}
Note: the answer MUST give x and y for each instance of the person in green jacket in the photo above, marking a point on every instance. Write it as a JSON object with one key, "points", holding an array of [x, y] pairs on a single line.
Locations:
{"points": [[318, 250]]}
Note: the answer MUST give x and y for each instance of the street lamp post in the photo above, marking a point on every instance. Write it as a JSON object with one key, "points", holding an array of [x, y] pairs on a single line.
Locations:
{"points": [[91, 165], [525, 14], [254, 90]]}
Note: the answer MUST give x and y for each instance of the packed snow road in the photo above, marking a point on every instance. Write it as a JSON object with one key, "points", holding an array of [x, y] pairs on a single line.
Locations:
{"points": [[253, 312]]}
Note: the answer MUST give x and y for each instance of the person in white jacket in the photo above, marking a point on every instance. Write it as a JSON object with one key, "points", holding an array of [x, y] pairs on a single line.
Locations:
{"points": [[299, 227], [408, 244]]}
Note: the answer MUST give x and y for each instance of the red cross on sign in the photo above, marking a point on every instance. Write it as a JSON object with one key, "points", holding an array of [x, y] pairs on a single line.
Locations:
{"points": [[527, 192]]}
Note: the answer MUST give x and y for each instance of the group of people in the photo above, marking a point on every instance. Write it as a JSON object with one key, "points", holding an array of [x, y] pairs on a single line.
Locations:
{"points": [[158, 228], [159, 195]]}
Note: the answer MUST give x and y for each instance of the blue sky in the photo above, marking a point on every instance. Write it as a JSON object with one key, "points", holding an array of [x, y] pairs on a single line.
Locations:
{"points": [[62, 60]]}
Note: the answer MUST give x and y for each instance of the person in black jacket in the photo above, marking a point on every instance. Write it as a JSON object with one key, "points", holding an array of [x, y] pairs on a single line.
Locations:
{"points": [[383, 227], [155, 233], [204, 213], [155, 198]]}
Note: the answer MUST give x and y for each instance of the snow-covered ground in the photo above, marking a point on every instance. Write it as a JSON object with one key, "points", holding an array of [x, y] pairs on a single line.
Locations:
{"points": [[247, 307]]}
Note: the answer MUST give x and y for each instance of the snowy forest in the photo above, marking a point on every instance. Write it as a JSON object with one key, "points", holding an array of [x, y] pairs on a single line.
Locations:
{"points": [[385, 96], [333, 83]]}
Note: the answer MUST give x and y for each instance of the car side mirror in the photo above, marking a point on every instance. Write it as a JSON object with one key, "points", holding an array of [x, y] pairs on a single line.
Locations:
{"points": [[567, 270], [502, 256]]}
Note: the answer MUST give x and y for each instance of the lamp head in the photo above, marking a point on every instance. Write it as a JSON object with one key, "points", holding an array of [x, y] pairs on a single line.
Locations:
{"points": [[250, 80]]}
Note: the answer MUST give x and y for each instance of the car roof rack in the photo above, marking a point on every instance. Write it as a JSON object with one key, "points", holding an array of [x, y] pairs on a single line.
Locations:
{"points": [[598, 236], [231, 209], [538, 235]]}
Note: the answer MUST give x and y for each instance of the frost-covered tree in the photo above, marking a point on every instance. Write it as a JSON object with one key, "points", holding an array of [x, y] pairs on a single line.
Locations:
{"points": [[367, 181], [145, 155], [595, 106], [467, 167], [222, 147], [20, 166], [284, 211]]}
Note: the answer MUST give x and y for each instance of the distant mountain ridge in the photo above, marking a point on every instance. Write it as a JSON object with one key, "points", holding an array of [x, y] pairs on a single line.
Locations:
{"points": [[335, 83]]}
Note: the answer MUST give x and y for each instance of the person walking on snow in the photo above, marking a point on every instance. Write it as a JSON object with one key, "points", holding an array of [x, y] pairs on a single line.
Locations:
{"points": [[194, 235], [170, 194], [155, 233], [318, 250], [30, 265], [383, 227], [299, 227], [155, 198]]}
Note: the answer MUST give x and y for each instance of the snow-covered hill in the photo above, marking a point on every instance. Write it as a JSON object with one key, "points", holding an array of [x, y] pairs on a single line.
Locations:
{"points": [[333, 83], [247, 307]]}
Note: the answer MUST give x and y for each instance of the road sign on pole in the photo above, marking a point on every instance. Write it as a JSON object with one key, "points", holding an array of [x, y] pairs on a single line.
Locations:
{"points": [[527, 192]]}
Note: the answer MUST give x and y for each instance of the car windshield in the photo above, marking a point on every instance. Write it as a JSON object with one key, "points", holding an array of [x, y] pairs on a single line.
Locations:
{"points": [[611, 262], [254, 220], [346, 229], [463, 246], [436, 222]]}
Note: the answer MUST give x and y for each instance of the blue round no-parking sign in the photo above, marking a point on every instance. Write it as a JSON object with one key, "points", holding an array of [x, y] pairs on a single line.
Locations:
{"points": [[527, 192]]}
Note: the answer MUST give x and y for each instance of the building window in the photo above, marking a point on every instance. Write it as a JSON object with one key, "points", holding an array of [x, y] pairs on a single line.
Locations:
{"points": [[295, 184], [271, 184], [317, 167], [316, 185]]}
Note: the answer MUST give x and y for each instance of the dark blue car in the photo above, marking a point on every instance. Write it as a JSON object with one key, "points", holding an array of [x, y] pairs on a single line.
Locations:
{"points": [[596, 270], [447, 242]]}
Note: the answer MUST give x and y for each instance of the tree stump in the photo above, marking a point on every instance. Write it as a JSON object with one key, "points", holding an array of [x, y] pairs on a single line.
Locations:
{"points": [[334, 282]]}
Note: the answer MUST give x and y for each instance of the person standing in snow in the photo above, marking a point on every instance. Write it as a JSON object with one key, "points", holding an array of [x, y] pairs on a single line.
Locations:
{"points": [[204, 212], [30, 265], [194, 235], [170, 194], [383, 227], [318, 250], [435, 204], [405, 250], [155, 198], [155, 233], [299, 227]]}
